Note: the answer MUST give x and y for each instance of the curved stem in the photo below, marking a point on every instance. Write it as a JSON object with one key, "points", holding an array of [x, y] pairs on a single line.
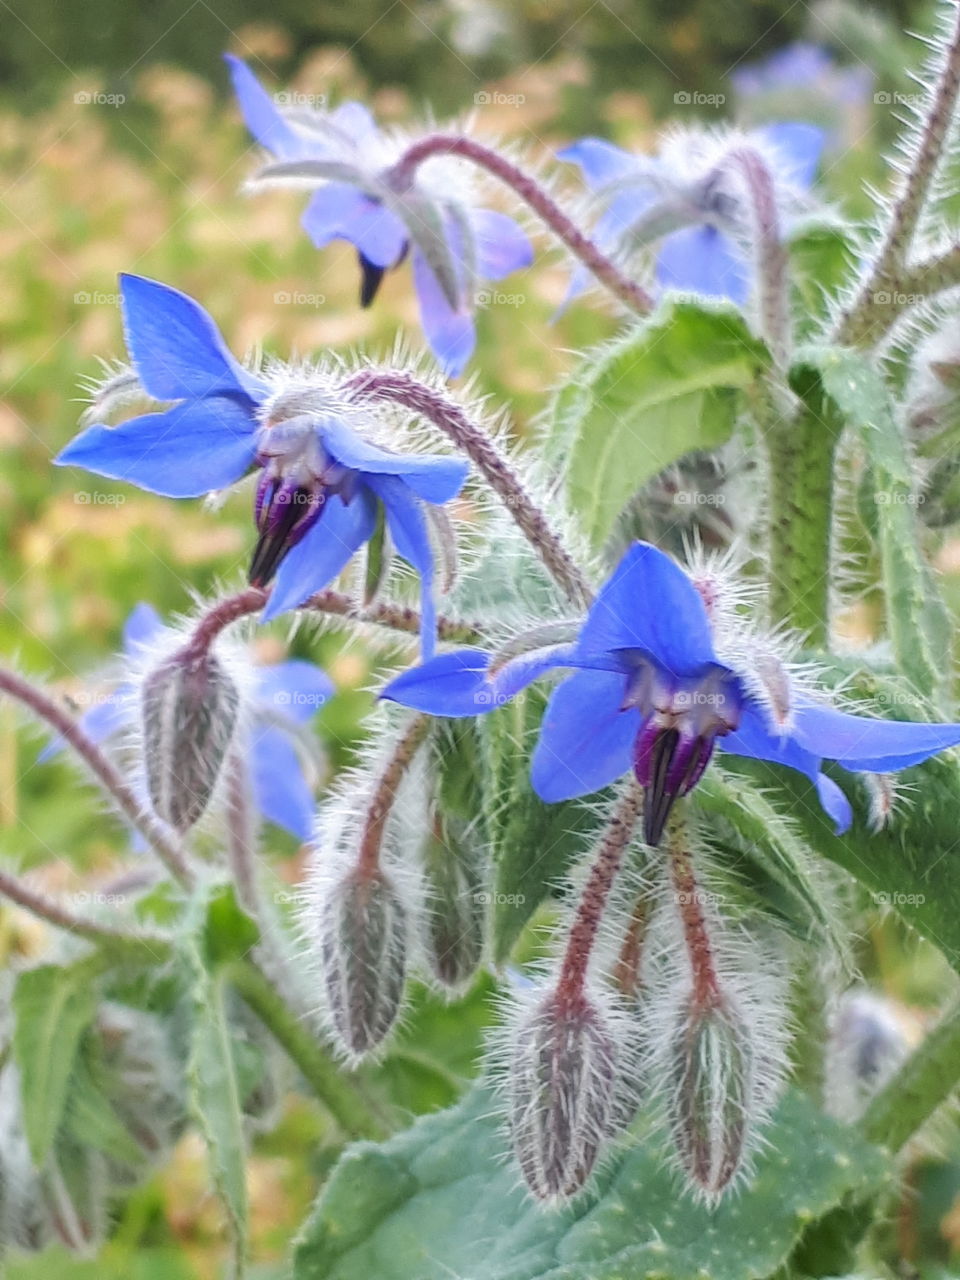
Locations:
{"points": [[354, 1112], [925, 1081], [401, 388], [689, 900], [55, 913], [103, 769], [596, 893], [772, 260], [385, 793], [394, 617], [531, 193], [865, 320]]}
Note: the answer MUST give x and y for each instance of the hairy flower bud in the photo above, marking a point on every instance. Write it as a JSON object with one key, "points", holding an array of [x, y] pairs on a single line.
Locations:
{"points": [[454, 912], [189, 705], [362, 931], [564, 1077], [710, 1085], [867, 1042]]}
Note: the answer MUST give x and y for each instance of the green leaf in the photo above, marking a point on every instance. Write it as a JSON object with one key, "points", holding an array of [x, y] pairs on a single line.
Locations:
{"points": [[228, 932], [92, 1120], [215, 1090], [822, 254], [665, 389], [433, 1200], [52, 1006], [916, 616], [532, 844]]}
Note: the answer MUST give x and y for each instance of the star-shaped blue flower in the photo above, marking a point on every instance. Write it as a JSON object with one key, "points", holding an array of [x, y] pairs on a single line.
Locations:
{"points": [[690, 215], [285, 696], [321, 481], [651, 694], [452, 244]]}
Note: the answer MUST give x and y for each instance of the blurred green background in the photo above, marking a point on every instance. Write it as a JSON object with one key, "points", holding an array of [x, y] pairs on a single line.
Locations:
{"points": [[121, 150]]}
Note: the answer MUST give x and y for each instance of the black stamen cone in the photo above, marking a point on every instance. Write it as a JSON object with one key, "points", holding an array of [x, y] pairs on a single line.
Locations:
{"points": [[274, 541], [371, 277], [657, 799]]}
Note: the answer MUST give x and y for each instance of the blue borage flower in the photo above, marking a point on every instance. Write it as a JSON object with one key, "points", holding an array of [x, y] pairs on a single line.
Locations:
{"points": [[322, 479], [652, 694], [805, 68], [452, 243], [284, 696], [688, 200]]}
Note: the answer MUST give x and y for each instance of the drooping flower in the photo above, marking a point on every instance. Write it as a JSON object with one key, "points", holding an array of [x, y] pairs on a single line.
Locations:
{"points": [[359, 197], [651, 693], [322, 478], [284, 696], [689, 202]]}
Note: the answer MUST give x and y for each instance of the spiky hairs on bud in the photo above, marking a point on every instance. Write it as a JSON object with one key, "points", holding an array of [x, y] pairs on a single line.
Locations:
{"points": [[190, 703], [715, 1035], [357, 915], [562, 1078]]}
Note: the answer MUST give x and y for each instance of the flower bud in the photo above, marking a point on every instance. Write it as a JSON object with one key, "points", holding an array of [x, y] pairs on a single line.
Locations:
{"points": [[563, 1091], [454, 912], [868, 1040], [189, 706], [362, 931], [710, 1084]]}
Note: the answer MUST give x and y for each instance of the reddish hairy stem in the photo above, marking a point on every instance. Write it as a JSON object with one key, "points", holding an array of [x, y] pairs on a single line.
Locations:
{"points": [[688, 898], [596, 894], [103, 769], [395, 617], [771, 251], [385, 793], [55, 913], [627, 971], [533, 194], [445, 413]]}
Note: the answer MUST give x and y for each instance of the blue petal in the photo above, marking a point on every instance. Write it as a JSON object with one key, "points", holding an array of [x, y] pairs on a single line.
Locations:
{"points": [[649, 603], [116, 711], [280, 789], [754, 739], [355, 120], [459, 683], [295, 688], [142, 627], [600, 161], [586, 740], [700, 260], [188, 451], [432, 477], [341, 211], [176, 348], [874, 746], [450, 333], [322, 553], [261, 115], [501, 245], [408, 528], [799, 147]]}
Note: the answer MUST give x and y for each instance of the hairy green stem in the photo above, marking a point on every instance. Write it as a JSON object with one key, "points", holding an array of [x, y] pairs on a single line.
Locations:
{"points": [[925, 1081], [354, 1113], [801, 454]]}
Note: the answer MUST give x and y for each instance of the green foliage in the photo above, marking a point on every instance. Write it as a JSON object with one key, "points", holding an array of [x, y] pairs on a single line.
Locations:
{"points": [[664, 389], [433, 1200]]}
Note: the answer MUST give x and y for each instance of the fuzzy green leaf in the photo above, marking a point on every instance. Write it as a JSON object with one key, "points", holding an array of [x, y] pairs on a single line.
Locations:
{"points": [[433, 1200], [52, 1006], [916, 616], [665, 389]]}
